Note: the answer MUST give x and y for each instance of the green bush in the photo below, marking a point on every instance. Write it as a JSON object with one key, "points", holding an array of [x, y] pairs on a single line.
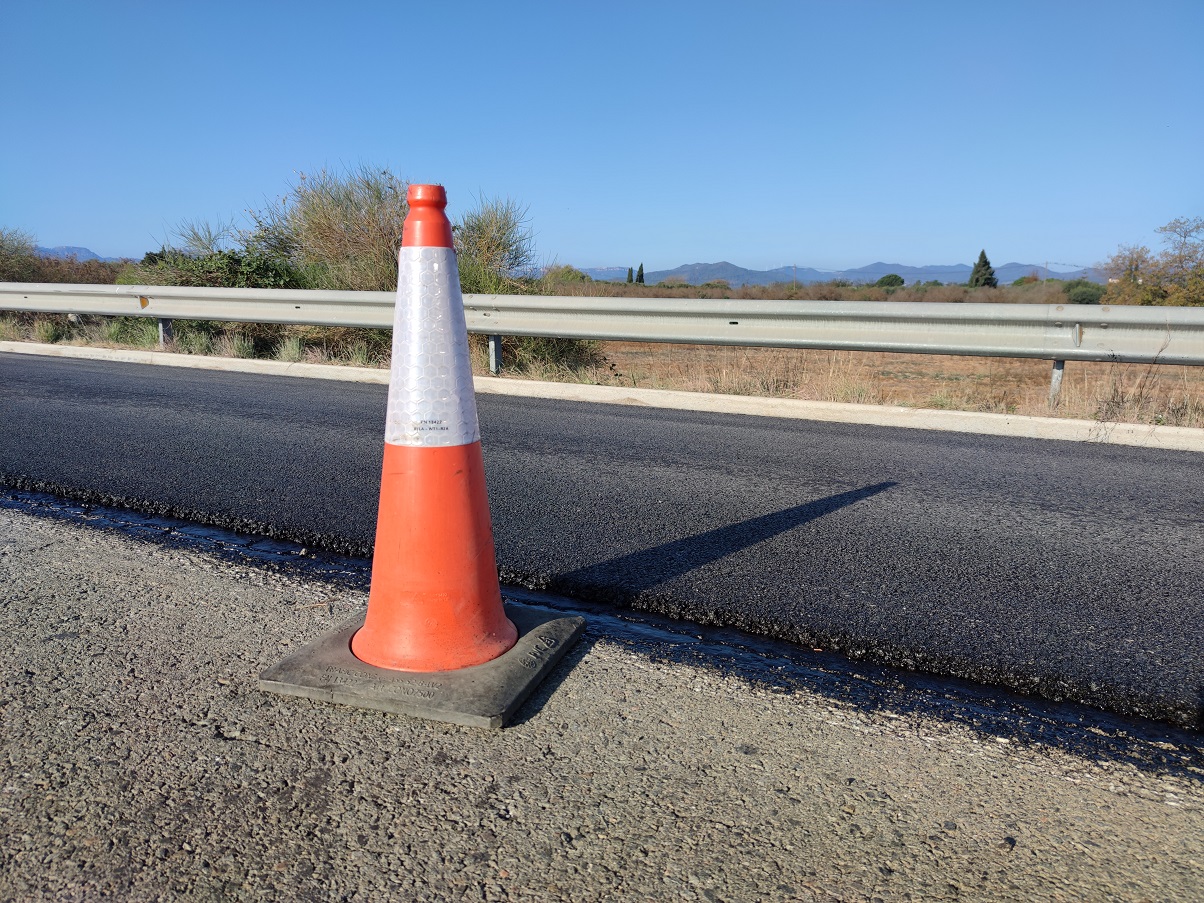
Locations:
{"points": [[564, 275], [890, 280], [140, 331], [218, 269], [1081, 291]]}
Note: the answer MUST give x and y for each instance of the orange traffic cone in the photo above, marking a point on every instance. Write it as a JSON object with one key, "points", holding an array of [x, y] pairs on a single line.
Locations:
{"points": [[435, 603], [437, 641]]}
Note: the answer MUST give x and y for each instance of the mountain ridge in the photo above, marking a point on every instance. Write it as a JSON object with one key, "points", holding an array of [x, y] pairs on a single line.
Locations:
{"points": [[65, 252], [736, 276]]}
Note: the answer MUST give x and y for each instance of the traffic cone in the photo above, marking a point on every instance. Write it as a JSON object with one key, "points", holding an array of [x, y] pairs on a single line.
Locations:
{"points": [[437, 641], [435, 603]]}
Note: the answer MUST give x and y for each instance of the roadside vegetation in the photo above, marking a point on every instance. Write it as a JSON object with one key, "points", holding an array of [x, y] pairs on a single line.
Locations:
{"points": [[20, 262], [341, 231]]}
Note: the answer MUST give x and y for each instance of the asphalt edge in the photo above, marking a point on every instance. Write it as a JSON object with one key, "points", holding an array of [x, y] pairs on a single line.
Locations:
{"points": [[1171, 438]]}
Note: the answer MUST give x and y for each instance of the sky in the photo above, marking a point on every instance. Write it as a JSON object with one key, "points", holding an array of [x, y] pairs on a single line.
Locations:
{"points": [[823, 134]]}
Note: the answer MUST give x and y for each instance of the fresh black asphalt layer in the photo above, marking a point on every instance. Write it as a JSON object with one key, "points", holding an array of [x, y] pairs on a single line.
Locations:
{"points": [[1068, 570]]}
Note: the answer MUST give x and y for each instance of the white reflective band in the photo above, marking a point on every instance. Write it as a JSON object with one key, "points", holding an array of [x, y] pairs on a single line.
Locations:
{"points": [[431, 401]]}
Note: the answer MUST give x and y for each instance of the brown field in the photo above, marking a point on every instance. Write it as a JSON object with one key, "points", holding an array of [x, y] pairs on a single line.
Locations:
{"points": [[1091, 391]]}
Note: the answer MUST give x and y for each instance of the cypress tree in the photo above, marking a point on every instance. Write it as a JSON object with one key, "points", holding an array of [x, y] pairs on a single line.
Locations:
{"points": [[639, 274], [983, 274], [630, 271]]}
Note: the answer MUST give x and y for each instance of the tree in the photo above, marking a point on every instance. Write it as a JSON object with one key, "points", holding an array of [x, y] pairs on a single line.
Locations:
{"points": [[1083, 291], [1174, 277], [639, 274], [1184, 238], [890, 280], [630, 274], [983, 275], [1181, 265], [1131, 276]]}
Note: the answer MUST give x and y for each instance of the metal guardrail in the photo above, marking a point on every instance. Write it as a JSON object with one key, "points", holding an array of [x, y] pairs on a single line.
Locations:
{"points": [[1058, 333], [246, 305]]}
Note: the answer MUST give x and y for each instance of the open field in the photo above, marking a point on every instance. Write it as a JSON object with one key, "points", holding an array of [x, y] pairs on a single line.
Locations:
{"points": [[1134, 393]]}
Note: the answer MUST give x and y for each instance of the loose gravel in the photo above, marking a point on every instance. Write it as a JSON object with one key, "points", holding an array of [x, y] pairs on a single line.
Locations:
{"points": [[138, 761]]}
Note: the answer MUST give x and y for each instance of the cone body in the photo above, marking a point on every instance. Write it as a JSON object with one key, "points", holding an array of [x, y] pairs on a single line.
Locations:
{"points": [[435, 603]]}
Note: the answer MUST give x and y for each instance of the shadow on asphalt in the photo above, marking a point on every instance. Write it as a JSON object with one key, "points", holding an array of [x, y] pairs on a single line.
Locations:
{"points": [[777, 666], [643, 570]]}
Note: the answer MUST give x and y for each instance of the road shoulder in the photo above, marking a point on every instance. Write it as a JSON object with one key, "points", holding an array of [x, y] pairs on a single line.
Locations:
{"points": [[139, 759]]}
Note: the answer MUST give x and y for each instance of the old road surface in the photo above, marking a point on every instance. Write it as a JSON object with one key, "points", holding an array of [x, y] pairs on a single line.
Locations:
{"points": [[1068, 570], [139, 761]]}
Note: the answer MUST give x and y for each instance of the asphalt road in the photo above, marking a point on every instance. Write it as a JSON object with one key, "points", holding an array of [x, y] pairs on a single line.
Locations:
{"points": [[1068, 570]]}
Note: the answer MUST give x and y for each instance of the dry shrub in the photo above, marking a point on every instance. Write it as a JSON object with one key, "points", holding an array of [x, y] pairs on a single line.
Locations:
{"points": [[340, 231], [495, 248], [941, 294], [20, 262]]}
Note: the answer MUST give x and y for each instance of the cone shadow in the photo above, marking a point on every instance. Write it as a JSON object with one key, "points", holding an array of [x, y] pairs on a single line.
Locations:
{"points": [[641, 571]]}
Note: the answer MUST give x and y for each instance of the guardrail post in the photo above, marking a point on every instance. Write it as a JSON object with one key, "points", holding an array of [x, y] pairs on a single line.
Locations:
{"points": [[495, 354], [1055, 382], [164, 333]]}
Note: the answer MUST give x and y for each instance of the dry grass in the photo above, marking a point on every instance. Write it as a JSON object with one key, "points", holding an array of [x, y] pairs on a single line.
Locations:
{"points": [[1091, 391]]}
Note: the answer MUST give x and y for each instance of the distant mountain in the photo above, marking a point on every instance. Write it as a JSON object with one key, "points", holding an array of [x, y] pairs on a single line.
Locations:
{"points": [[735, 276], [605, 274], [698, 273], [960, 272], [66, 251]]}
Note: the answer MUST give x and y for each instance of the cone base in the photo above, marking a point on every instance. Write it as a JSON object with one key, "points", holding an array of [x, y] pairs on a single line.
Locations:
{"points": [[479, 696]]}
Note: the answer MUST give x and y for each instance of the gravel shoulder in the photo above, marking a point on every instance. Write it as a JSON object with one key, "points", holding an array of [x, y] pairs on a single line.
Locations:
{"points": [[138, 761]]}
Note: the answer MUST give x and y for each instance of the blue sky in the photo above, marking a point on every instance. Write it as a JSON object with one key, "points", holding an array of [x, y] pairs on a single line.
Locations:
{"points": [[820, 134]]}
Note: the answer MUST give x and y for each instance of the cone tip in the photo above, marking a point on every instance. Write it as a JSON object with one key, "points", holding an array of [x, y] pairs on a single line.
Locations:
{"points": [[426, 225], [433, 195]]}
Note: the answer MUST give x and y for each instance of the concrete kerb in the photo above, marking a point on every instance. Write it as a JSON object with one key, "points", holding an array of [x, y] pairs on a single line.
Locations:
{"points": [[1171, 438]]}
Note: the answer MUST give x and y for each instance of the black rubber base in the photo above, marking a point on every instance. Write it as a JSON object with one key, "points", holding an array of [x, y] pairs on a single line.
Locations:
{"points": [[481, 696]]}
